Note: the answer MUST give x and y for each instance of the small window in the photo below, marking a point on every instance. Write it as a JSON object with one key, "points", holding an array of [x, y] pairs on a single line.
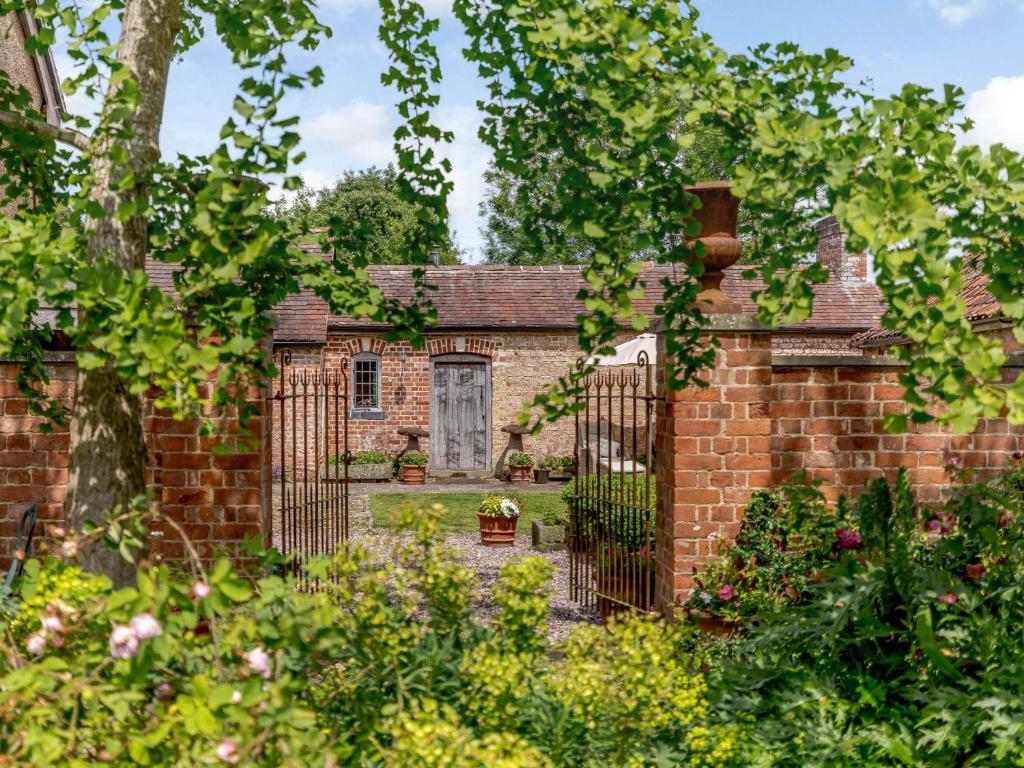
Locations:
{"points": [[366, 382]]}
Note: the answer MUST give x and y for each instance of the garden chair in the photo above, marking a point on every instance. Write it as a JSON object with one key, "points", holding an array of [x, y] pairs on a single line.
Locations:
{"points": [[22, 545], [601, 453]]}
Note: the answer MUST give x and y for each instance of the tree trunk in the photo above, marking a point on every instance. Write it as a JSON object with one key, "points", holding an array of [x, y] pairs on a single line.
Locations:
{"points": [[108, 450]]}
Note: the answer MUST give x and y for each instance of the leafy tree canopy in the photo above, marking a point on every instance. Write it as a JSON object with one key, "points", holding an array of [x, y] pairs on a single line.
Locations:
{"points": [[513, 236], [598, 88], [370, 198]]}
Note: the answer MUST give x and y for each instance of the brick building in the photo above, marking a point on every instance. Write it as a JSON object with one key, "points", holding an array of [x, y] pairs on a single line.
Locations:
{"points": [[503, 335]]}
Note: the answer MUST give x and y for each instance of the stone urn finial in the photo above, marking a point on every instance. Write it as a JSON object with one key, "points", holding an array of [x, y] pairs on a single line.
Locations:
{"points": [[718, 217]]}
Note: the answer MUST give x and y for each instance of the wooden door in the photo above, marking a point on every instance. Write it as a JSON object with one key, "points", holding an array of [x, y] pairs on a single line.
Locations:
{"points": [[458, 434]]}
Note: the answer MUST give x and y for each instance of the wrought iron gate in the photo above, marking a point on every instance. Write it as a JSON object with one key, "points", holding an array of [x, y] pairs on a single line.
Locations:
{"points": [[310, 444], [612, 511]]}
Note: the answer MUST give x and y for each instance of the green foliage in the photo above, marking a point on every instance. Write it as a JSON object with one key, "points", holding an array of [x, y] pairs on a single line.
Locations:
{"points": [[390, 665], [371, 199], [787, 538], [553, 517], [413, 459], [511, 232], [370, 457], [639, 491], [520, 459], [908, 653], [558, 463]]}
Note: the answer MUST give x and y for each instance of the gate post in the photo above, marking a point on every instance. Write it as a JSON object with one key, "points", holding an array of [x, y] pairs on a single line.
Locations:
{"points": [[713, 449]]}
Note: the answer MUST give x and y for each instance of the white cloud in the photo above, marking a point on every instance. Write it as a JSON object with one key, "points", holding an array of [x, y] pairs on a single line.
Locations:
{"points": [[361, 134], [956, 12], [360, 130], [998, 113]]}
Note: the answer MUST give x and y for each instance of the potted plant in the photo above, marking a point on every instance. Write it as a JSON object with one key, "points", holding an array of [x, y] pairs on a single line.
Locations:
{"points": [[362, 466], [541, 471], [498, 517], [519, 466], [413, 467], [548, 533], [559, 467]]}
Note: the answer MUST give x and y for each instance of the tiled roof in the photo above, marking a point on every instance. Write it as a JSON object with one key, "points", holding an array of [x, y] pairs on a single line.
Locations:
{"points": [[300, 318], [483, 297], [542, 298], [981, 305]]}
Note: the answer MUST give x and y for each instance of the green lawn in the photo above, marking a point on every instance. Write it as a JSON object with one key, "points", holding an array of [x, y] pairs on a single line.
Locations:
{"points": [[462, 507]]}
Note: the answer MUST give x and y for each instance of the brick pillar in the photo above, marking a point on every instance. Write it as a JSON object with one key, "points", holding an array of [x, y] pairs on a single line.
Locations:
{"points": [[713, 449]]}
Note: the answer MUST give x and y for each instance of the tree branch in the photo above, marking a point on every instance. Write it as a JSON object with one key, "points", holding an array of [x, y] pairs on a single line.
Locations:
{"points": [[68, 136]]}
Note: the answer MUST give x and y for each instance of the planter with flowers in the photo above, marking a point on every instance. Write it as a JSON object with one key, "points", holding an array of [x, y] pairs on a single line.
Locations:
{"points": [[788, 537], [520, 466], [498, 517], [412, 467]]}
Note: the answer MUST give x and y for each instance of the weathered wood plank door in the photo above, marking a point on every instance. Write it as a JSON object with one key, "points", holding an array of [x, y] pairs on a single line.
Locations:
{"points": [[458, 434]]}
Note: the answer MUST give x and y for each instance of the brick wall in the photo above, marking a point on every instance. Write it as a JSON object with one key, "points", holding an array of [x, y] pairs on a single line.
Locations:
{"points": [[218, 498], [765, 418], [828, 422]]}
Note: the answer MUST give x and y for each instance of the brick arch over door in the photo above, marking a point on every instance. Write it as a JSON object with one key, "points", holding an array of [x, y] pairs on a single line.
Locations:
{"points": [[460, 412]]}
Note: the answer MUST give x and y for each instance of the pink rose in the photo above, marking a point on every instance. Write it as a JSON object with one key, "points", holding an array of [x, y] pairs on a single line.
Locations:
{"points": [[200, 590], [949, 599], [124, 643], [164, 691], [53, 624], [36, 644], [227, 751], [847, 538], [145, 626], [726, 592], [258, 662]]}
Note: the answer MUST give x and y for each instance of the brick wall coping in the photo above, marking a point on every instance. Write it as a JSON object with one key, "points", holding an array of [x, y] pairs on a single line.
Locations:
{"points": [[836, 361], [63, 356], [1013, 360], [725, 322]]}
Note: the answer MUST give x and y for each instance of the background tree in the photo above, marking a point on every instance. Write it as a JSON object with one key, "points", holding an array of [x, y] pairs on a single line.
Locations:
{"points": [[522, 216], [370, 198]]}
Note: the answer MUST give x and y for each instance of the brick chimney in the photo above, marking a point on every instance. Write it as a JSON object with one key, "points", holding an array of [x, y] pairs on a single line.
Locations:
{"points": [[847, 267]]}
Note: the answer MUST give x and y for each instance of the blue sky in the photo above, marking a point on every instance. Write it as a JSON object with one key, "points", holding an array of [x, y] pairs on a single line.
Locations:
{"points": [[347, 123]]}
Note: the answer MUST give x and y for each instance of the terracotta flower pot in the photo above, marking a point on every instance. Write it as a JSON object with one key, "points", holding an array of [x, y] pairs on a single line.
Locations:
{"points": [[520, 475], [497, 530], [413, 474]]}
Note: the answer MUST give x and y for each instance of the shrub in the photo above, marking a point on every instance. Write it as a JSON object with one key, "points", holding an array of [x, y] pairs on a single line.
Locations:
{"points": [[636, 492], [390, 665], [520, 459], [787, 537], [909, 652], [413, 459], [552, 517]]}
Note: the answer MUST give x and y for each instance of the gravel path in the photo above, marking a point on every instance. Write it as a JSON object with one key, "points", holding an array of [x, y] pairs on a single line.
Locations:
{"points": [[486, 561], [564, 613]]}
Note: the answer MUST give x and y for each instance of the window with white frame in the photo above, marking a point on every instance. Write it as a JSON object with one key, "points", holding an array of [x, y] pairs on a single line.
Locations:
{"points": [[366, 382]]}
